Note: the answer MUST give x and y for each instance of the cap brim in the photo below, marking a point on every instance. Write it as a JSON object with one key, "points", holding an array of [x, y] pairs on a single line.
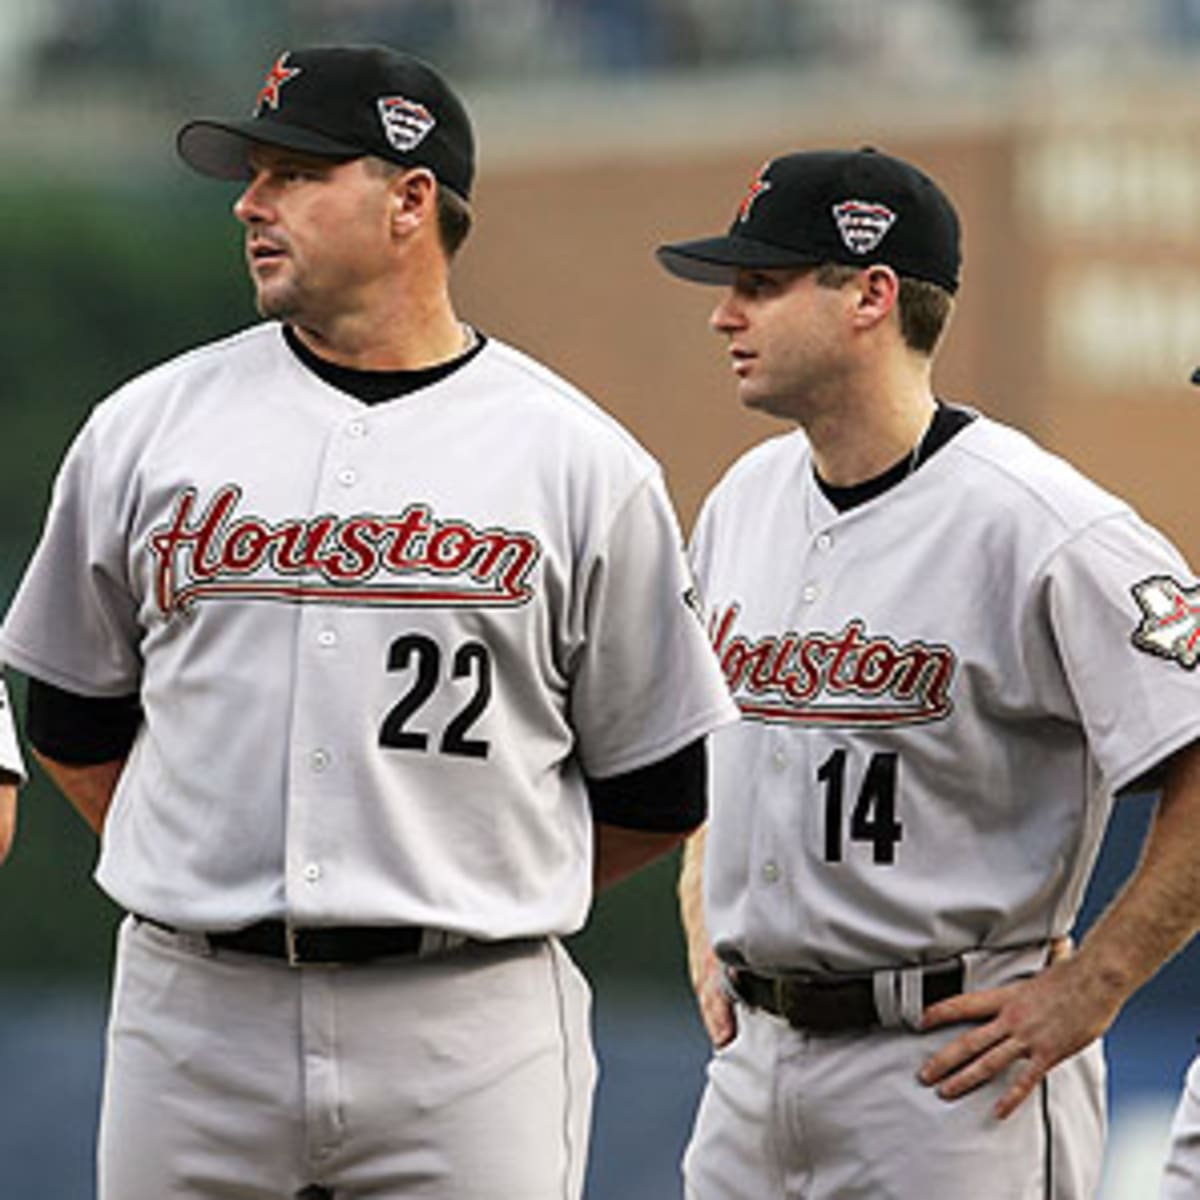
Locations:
{"points": [[221, 149], [717, 259]]}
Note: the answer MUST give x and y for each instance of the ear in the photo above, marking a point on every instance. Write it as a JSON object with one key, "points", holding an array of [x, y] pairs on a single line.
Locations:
{"points": [[413, 196], [877, 296]]}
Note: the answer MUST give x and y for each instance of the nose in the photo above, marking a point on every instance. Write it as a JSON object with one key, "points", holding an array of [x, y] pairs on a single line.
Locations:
{"points": [[252, 206], [727, 317]]}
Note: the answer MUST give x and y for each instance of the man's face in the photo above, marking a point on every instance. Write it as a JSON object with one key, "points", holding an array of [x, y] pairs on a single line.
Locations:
{"points": [[788, 340], [317, 234]]}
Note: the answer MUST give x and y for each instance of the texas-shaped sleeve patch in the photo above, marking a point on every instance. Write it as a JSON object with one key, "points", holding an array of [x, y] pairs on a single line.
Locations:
{"points": [[1170, 625]]}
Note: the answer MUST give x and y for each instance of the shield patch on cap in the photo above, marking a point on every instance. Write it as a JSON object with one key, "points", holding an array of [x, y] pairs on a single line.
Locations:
{"points": [[406, 124], [862, 224]]}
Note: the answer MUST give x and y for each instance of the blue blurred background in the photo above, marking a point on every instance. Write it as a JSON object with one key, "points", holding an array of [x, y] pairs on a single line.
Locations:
{"points": [[1069, 133]]}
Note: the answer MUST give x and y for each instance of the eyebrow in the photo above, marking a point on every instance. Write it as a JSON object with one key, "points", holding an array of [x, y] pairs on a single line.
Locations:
{"points": [[271, 157]]}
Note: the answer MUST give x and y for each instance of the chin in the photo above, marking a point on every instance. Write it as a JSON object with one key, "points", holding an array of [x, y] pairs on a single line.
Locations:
{"points": [[770, 406], [274, 307]]}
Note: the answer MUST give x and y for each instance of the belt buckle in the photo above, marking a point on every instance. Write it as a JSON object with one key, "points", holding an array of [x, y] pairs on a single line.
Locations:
{"points": [[784, 996], [290, 947]]}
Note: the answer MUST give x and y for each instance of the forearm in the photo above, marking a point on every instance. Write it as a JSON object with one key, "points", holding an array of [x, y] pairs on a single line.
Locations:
{"points": [[1158, 911], [621, 852], [1049, 1016], [89, 788], [691, 905], [8, 812]]}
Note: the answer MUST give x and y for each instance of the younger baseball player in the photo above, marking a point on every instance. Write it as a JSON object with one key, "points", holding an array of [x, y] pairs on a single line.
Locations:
{"points": [[366, 642], [950, 651], [12, 773]]}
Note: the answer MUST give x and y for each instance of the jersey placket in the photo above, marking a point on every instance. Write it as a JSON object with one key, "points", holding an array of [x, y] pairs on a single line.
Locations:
{"points": [[319, 743], [786, 844]]}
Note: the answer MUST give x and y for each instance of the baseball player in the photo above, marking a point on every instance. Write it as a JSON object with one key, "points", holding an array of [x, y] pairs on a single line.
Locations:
{"points": [[1181, 1174], [368, 645], [12, 773], [950, 651], [1181, 1171]]}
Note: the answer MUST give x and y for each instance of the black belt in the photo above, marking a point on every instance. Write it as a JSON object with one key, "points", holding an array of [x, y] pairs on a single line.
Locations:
{"points": [[833, 1006], [318, 945]]}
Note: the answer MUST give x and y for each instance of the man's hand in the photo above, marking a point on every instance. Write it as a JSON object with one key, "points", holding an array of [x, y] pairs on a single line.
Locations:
{"points": [[704, 968], [716, 1008], [1042, 1020]]}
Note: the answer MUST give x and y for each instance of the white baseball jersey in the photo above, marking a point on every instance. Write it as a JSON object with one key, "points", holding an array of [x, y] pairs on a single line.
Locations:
{"points": [[10, 751], [941, 690], [374, 645]]}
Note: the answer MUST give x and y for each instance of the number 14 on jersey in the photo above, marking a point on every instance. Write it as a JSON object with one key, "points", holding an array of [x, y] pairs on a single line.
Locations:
{"points": [[873, 816]]}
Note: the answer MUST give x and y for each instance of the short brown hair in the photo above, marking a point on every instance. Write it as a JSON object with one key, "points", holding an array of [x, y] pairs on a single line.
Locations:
{"points": [[454, 220], [453, 212], [924, 307]]}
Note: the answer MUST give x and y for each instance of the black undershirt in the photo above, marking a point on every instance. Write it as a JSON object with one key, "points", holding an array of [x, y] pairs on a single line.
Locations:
{"points": [[376, 387], [948, 420], [669, 796]]}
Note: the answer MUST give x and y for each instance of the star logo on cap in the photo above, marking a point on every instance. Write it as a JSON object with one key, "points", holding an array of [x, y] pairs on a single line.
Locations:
{"points": [[1170, 624], [758, 185], [277, 76]]}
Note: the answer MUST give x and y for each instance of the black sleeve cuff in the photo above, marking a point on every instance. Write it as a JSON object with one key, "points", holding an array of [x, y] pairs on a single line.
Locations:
{"points": [[669, 796], [80, 730]]}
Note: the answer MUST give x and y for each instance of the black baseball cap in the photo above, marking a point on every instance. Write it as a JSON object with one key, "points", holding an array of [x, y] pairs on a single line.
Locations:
{"points": [[344, 102], [856, 207]]}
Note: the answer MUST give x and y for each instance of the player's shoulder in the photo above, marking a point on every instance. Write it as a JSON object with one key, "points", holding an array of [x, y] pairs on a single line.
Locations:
{"points": [[233, 354], [524, 385], [1009, 469], [770, 463]]}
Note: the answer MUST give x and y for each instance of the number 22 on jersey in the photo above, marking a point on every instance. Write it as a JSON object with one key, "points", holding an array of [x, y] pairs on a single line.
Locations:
{"points": [[470, 672]]}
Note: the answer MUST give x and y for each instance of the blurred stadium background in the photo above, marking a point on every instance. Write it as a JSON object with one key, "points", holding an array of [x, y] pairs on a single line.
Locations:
{"points": [[1069, 134]]}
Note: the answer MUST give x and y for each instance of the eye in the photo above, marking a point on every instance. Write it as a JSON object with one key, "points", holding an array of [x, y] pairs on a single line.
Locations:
{"points": [[756, 283]]}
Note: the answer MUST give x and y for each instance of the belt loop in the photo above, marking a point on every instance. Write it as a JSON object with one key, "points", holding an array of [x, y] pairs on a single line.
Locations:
{"points": [[885, 987], [439, 941], [912, 996], [289, 943]]}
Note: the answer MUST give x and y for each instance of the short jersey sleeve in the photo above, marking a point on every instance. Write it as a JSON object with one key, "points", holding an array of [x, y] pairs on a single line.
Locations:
{"points": [[646, 681], [73, 621], [1124, 608]]}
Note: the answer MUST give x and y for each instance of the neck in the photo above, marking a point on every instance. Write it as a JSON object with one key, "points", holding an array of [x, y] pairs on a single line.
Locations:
{"points": [[850, 446], [409, 339]]}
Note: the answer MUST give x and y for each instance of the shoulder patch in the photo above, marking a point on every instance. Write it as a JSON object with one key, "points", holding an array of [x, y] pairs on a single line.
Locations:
{"points": [[1170, 625]]}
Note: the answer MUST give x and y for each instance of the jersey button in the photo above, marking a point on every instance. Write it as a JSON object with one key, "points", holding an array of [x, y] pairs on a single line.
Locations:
{"points": [[809, 593], [319, 760], [327, 639], [824, 542], [770, 871], [312, 872], [347, 477], [357, 428], [779, 758]]}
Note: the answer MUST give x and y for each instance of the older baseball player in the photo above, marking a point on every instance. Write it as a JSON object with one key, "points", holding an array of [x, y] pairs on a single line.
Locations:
{"points": [[950, 651], [12, 773], [368, 644]]}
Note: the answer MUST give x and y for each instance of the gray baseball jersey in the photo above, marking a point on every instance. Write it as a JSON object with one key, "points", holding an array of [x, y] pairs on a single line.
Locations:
{"points": [[941, 691], [1181, 1170], [10, 751], [375, 646]]}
